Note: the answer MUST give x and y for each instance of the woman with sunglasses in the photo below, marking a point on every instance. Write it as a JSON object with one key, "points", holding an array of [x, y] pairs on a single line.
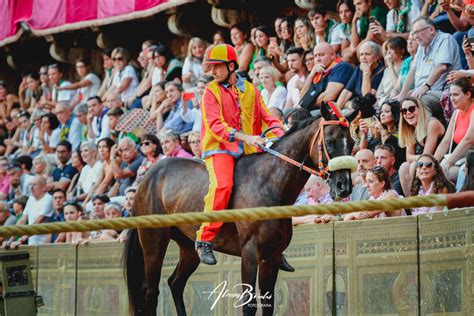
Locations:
{"points": [[151, 149], [125, 80], [379, 188], [459, 136], [419, 133], [429, 179]]}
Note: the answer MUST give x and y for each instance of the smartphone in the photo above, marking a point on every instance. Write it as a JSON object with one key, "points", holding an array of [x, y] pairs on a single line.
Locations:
{"points": [[372, 19], [370, 121], [188, 96], [471, 42]]}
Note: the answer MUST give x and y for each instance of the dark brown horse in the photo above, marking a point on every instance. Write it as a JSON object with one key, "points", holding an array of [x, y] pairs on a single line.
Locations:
{"points": [[179, 185]]}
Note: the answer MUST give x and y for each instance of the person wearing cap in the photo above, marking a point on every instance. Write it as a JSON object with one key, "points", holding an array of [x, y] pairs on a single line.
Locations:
{"points": [[233, 117]]}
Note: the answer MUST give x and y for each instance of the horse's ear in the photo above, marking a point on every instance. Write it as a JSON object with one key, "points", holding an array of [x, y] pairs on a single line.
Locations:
{"points": [[326, 111], [351, 116]]}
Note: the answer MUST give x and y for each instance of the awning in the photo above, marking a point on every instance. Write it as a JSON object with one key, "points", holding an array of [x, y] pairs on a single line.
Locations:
{"points": [[45, 17]]}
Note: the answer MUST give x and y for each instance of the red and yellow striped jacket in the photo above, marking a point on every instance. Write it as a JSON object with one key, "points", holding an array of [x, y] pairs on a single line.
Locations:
{"points": [[226, 110]]}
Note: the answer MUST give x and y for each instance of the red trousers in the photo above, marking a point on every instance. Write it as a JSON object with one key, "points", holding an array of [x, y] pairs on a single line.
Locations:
{"points": [[221, 181]]}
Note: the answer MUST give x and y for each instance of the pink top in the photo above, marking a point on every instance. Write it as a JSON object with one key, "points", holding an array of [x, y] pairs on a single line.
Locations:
{"points": [[462, 124], [180, 152], [5, 184]]}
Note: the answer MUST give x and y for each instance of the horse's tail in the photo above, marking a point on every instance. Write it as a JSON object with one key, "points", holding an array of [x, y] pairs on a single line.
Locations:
{"points": [[134, 272]]}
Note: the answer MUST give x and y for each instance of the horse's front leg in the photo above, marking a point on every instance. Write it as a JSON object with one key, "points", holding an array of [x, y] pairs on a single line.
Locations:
{"points": [[249, 277], [267, 276]]}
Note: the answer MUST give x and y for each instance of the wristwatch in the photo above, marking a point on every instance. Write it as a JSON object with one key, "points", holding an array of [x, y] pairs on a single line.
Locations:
{"points": [[427, 85]]}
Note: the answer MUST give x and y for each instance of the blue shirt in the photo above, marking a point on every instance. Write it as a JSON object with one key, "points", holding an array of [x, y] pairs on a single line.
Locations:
{"points": [[355, 83], [133, 166], [341, 73], [175, 122], [68, 172]]}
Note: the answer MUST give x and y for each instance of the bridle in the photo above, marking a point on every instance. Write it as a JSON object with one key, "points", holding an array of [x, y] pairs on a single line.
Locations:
{"points": [[319, 139]]}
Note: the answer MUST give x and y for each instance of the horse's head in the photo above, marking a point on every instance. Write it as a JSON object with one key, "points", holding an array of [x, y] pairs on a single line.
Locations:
{"points": [[335, 141]]}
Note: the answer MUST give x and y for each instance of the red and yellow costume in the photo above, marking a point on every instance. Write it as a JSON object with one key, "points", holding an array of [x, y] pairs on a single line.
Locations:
{"points": [[227, 109]]}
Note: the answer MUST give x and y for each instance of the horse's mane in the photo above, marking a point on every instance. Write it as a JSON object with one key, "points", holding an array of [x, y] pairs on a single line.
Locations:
{"points": [[297, 127]]}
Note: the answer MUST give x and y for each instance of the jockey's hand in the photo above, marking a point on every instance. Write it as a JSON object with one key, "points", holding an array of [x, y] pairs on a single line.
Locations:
{"points": [[254, 140]]}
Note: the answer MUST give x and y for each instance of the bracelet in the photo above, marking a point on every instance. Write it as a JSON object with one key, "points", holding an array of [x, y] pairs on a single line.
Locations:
{"points": [[427, 85]]}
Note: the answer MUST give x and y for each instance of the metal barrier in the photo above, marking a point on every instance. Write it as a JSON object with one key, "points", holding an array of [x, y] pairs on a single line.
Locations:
{"points": [[394, 266]]}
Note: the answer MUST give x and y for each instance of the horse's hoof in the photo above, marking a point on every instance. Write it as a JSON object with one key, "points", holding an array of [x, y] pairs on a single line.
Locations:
{"points": [[285, 265]]}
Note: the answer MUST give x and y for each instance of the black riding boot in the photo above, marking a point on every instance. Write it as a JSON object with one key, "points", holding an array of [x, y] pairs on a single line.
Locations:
{"points": [[204, 251], [285, 265]]}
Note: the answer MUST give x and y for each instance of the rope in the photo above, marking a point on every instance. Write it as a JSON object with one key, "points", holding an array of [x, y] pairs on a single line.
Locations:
{"points": [[249, 214]]}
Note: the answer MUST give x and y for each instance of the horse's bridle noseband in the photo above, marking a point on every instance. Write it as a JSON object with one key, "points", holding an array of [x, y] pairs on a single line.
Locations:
{"points": [[317, 138]]}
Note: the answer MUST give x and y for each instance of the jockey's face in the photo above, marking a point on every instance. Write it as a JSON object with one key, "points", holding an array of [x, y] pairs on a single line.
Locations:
{"points": [[220, 72]]}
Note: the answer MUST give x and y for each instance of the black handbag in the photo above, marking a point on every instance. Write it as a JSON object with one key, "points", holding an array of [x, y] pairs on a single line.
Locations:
{"points": [[308, 101]]}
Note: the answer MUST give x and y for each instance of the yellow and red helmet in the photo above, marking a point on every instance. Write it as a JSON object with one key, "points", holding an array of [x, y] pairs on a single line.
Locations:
{"points": [[222, 53]]}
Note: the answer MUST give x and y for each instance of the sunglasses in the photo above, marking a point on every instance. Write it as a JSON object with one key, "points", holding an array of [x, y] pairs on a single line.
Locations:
{"points": [[427, 164], [120, 58], [146, 143], [410, 109]]}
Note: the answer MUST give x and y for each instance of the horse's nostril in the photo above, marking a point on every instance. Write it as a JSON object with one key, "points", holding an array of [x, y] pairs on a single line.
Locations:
{"points": [[340, 185]]}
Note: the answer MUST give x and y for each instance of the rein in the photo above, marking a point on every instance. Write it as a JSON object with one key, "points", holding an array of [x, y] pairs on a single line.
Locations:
{"points": [[317, 138]]}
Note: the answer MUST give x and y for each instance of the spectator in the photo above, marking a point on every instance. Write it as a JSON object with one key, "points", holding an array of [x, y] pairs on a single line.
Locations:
{"points": [[78, 164], [194, 140], [49, 133], [55, 75], [412, 47], [287, 35], [395, 50], [141, 95], [69, 126], [429, 179], [365, 162], [294, 58], [45, 84], [59, 198], [38, 209], [304, 36], [367, 76], [81, 115], [26, 164], [194, 115], [106, 178], [258, 64], [72, 212], [167, 67], [341, 36], [108, 65], [327, 78], [192, 68], [18, 206], [172, 106], [112, 210], [245, 50], [152, 151], [296, 115], [99, 201], [88, 85], [419, 134], [273, 95], [262, 42], [15, 173], [91, 171], [27, 143], [429, 78], [6, 218], [379, 188], [113, 101], [125, 80], [170, 143], [400, 17], [4, 178], [125, 163], [42, 167], [64, 172], [29, 91], [129, 201], [318, 193], [323, 27], [360, 22], [459, 137], [385, 157], [97, 120], [114, 116]]}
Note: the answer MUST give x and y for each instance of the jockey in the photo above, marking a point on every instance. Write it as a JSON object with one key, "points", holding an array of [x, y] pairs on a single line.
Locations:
{"points": [[233, 117]]}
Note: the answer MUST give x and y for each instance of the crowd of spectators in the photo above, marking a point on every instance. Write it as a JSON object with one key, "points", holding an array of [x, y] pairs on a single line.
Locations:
{"points": [[76, 148]]}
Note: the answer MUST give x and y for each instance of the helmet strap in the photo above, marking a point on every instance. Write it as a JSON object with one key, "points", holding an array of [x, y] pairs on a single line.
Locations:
{"points": [[229, 73]]}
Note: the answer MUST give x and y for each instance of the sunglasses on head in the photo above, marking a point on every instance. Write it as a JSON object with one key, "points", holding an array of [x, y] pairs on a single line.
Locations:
{"points": [[427, 164], [120, 58], [410, 109], [53, 66]]}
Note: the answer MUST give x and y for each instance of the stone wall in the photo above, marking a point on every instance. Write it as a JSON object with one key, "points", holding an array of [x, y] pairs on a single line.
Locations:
{"points": [[397, 266]]}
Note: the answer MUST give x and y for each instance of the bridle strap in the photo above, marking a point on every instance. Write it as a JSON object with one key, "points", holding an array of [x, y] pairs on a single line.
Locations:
{"points": [[300, 165]]}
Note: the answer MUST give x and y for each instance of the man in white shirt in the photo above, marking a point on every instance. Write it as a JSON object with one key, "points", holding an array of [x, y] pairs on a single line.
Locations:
{"points": [[70, 126], [38, 209], [55, 76], [97, 120], [294, 58]]}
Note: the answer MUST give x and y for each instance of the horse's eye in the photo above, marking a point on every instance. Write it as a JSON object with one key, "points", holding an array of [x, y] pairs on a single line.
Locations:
{"points": [[329, 143]]}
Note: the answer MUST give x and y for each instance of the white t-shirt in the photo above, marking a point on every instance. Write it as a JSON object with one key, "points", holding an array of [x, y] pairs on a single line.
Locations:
{"points": [[338, 35], [91, 90], [293, 93], [63, 95], [89, 176], [120, 76], [35, 208], [276, 100], [412, 15], [157, 76]]}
